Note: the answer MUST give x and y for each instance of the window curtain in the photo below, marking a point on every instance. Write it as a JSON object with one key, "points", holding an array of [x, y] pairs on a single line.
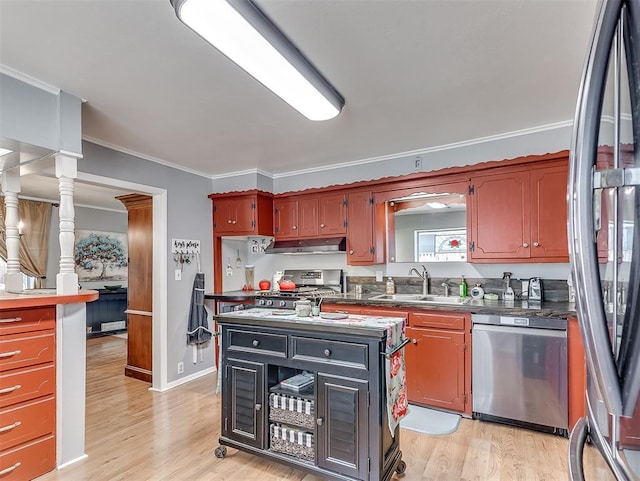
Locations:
{"points": [[36, 218]]}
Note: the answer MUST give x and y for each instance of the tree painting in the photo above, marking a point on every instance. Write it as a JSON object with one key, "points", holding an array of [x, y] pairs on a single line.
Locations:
{"points": [[101, 256]]}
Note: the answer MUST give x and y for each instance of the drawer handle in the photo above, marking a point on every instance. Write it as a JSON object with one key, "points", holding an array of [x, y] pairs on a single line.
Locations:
{"points": [[10, 354], [258, 407], [525, 244], [10, 427], [319, 421], [10, 389], [255, 343], [13, 319], [536, 244], [327, 352], [9, 469], [414, 341]]}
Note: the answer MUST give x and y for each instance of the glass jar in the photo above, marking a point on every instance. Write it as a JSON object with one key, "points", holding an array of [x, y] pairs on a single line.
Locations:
{"points": [[303, 307]]}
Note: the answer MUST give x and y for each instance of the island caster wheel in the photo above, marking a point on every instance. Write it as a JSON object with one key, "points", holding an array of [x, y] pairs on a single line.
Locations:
{"points": [[220, 452], [401, 468]]}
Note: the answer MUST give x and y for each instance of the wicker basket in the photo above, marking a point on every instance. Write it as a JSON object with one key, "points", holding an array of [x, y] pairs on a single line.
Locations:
{"points": [[294, 442], [291, 410]]}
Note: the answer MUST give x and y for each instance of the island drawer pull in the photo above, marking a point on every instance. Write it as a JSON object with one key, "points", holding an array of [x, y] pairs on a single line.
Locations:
{"points": [[258, 407], [10, 353], [10, 389], [10, 468], [319, 421], [10, 427], [327, 352], [12, 319], [255, 343]]}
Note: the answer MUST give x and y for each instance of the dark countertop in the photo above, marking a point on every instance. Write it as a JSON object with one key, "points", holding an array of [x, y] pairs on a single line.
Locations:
{"points": [[560, 310]]}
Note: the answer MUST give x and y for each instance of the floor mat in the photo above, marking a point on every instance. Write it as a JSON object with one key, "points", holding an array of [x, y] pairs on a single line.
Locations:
{"points": [[430, 421]]}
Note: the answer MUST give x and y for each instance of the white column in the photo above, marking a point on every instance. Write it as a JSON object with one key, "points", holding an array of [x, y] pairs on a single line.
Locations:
{"points": [[66, 172], [11, 188]]}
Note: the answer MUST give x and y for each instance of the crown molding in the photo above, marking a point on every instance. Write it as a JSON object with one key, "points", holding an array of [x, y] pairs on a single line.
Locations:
{"points": [[28, 79]]}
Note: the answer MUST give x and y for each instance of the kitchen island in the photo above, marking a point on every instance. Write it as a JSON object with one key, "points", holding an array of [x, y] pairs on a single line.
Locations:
{"points": [[42, 380], [344, 425]]}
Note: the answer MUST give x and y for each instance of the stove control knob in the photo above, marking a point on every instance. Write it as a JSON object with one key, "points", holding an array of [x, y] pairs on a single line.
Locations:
{"points": [[269, 302], [261, 302], [282, 303]]}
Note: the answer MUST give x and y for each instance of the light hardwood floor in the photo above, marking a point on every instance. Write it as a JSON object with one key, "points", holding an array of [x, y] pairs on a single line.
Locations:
{"points": [[133, 434]]}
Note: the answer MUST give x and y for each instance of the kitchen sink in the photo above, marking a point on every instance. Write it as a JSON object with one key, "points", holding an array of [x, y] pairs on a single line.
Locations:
{"points": [[420, 299]]}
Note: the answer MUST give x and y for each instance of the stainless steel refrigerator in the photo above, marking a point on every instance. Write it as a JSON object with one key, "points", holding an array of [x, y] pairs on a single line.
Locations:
{"points": [[604, 232]]}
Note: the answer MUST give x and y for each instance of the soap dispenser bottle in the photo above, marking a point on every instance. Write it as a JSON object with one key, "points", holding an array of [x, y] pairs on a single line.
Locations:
{"points": [[390, 286], [463, 287]]}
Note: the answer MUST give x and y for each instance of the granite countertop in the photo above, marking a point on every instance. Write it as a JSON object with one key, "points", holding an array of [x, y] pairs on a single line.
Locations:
{"points": [[352, 324], [474, 306]]}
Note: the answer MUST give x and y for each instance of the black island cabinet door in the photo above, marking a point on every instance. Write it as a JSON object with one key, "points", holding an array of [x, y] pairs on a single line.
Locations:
{"points": [[342, 437], [243, 412]]}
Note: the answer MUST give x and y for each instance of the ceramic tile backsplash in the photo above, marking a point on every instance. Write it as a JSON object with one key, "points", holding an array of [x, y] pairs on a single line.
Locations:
{"points": [[554, 290]]}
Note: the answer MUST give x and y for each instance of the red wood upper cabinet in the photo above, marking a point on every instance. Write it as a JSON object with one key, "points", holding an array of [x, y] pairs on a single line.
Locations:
{"points": [[365, 237], [308, 217], [285, 218], [519, 215], [332, 215], [549, 212], [248, 213]]}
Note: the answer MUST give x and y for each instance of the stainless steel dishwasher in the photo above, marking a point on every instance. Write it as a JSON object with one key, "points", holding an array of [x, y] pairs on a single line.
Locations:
{"points": [[519, 371]]}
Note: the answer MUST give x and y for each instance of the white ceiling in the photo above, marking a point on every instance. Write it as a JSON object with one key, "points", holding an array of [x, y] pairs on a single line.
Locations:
{"points": [[415, 74]]}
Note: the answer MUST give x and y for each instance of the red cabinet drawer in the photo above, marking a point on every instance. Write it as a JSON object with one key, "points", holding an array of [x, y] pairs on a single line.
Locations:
{"points": [[29, 460], [438, 320], [27, 384], [23, 350], [27, 422], [13, 321]]}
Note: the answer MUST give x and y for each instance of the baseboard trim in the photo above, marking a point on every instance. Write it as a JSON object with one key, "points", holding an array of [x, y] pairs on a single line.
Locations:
{"points": [[186, 379]]}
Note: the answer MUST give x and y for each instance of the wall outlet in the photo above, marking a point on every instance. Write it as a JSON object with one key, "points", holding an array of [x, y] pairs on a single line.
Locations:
{"points": [[417, 162], [178, 275], [378, 276], [180, 367]]}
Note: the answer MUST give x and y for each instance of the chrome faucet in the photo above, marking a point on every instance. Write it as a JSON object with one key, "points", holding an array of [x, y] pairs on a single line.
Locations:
{"points": [[424, 275], [446, 289]]}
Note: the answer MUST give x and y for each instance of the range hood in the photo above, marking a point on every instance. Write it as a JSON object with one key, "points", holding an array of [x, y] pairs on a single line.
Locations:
{"points": [[308, 246]]}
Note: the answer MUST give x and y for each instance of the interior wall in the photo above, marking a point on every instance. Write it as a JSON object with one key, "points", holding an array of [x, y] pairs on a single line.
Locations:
{"points": [[85, 219], [188, 217]]}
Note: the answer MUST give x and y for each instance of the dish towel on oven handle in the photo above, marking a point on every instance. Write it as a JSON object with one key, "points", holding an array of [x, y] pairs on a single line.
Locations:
{"points": [[395, 371]]}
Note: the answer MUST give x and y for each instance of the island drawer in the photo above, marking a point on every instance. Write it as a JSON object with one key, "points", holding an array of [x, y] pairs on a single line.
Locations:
{"points": [[348, 354], [28, 461], [26, 422], [22, 350], [13, 321], [252, 341], [27, 384]]}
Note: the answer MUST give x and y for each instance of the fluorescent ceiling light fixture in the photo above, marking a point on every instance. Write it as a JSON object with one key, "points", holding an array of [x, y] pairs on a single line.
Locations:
{"points": [[4, 151], [240, 30], [437, 205]]}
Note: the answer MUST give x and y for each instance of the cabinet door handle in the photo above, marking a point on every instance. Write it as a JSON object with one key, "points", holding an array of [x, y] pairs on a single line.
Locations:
{"points": [[10, 354], [9, 469], [327, 352], [10, 389], [255, 343], [351, 252], [229, 221], [319, 421], [11, 319], [525, 244], [294, 227], [10, 427], [322, 226], [258, 407], [414, 341], [535, 244]]}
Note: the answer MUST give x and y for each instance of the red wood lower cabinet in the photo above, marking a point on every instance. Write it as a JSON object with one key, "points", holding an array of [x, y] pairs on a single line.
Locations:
{"points": [[438, 360], [435, 368]]}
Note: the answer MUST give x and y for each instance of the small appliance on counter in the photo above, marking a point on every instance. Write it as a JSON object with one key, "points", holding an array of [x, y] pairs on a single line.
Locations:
{"points": [[535, 290]]}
